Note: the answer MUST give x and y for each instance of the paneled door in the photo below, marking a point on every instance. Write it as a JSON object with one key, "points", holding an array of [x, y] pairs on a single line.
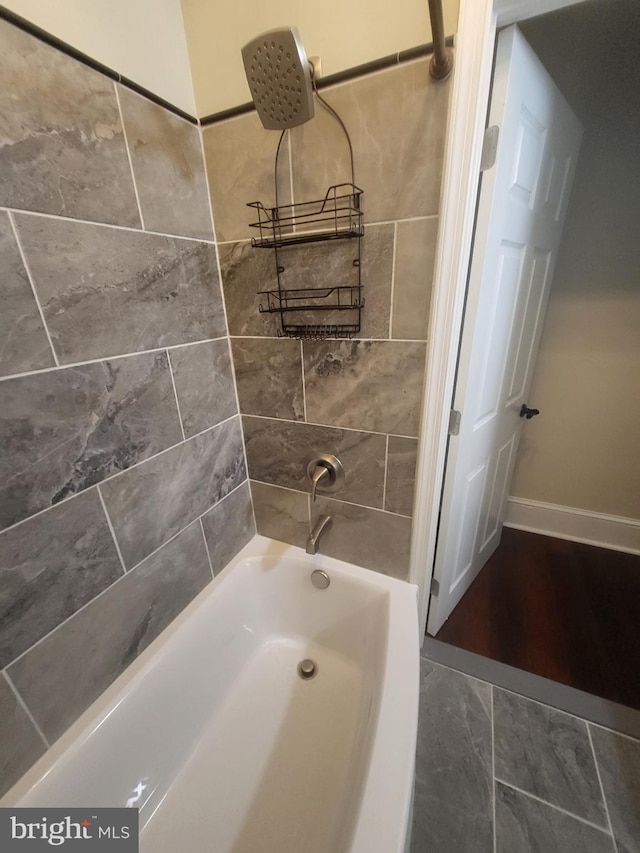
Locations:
{"points": [[521, 211]]}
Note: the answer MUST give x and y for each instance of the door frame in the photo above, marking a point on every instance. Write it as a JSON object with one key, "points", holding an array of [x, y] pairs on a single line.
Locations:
{"points": [[475, 43]]}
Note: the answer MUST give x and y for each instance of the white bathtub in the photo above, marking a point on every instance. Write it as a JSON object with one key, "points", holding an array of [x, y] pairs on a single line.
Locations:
{"points": [[213, 735]]}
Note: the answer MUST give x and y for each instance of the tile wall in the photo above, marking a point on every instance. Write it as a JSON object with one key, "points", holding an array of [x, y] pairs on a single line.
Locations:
{"points": [[359, 399], [122, 475]]}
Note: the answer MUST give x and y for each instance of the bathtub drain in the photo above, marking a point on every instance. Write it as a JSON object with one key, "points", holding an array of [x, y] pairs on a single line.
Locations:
{"points": [[307, 668]]}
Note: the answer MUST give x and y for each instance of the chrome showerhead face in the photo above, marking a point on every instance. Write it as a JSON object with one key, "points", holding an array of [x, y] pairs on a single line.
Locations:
{"points": [[279, 77]]}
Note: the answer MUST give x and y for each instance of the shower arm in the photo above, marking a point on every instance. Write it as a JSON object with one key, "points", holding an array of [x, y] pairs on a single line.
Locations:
{"points": [[441, 63]]}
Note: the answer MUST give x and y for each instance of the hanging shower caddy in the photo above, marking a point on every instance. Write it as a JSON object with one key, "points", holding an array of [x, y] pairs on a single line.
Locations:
{"points": [[329, 311], [306, 310]]}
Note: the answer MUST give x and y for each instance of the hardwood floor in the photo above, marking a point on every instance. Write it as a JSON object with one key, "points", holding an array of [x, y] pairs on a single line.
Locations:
{"points": [[559, 609]]}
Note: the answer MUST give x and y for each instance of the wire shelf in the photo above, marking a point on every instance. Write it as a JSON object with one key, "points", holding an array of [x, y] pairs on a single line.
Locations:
{"points": [[319, 331], [336, 216], [342, 298]]}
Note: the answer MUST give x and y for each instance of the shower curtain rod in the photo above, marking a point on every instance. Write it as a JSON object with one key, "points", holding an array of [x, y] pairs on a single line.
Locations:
{"points": [[441, 63]]}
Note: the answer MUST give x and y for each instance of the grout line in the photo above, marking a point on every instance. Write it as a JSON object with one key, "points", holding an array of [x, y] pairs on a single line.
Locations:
{"points": [[386, 469], [233, 242], [339, 340], [33, 287], [327, 426], [604, 798], [120, 579], [175, 394], [206, 547], [131, 228], [74, 364], [493, 772], [226, 321], [113, 533], [599, 726], [126, 145], [206, 180], [393, 276], [120, 473], [328, 496], [366, 225], [25, 708], [552, 805], [304, 385]]}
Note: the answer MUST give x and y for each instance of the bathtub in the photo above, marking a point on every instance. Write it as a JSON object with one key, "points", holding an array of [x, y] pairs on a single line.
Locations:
{"points": [[214, 735]]}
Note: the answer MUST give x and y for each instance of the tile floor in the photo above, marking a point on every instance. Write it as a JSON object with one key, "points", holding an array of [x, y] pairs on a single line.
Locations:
{"points": [[498, 773]]}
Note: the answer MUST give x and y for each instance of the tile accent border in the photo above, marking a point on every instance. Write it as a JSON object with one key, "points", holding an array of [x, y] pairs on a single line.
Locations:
{"points": [[74, 53]]}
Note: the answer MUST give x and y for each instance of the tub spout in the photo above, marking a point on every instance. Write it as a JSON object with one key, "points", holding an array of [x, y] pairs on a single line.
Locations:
{"points": [[318, 529]]}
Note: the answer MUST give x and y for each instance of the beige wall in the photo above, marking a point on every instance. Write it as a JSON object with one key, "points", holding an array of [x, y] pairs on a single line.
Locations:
{"points": [[343, 33], [141, 39], [583, 450]]}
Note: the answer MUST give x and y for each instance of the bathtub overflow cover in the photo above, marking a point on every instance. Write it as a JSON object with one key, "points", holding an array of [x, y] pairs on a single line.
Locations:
{"points": [[307, 668], [320, 579]]}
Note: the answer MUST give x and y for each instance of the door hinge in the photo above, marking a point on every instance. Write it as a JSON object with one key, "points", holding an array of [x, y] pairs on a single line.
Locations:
{"points": [[454, 422], [489, 147], [434, 589]]}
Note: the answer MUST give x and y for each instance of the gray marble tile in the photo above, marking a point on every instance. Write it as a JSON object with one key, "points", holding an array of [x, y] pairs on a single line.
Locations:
{"points": [[228, 527], [377, 274], [245, 271], [240, 157], [50, 566], [67, 429], [22, 746], [365, 537], [23, 340], [168, 167], [278, 453], [401, 474], [368, 385], [453, 805], [331, 264], [397, 121], [204, 384], [415, 258], [63, 150], [106, 291], [152, 502], [269, 377], [101, 640], [618, 760], [524, 825], [281, 514], [546, 753]]}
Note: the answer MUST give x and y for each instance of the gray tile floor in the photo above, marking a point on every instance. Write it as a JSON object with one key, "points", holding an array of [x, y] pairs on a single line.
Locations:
{"points": [[498, 773]]}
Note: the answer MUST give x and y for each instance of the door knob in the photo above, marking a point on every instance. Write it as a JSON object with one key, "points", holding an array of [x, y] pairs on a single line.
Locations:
{"points": [[526, 412]]}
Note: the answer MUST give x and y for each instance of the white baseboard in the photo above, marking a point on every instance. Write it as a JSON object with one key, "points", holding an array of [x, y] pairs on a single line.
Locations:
{"points": [[577, 525]]}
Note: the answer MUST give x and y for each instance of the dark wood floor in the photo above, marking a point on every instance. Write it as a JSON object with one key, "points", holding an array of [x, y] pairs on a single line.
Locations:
{"points": [[563, 610]]}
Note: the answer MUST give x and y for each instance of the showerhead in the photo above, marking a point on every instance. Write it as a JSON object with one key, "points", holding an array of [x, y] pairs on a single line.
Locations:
{"points": [[279, 76]]}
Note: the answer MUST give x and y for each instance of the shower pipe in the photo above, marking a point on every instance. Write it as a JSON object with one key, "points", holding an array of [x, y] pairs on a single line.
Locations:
{"points": [[441, 63]]}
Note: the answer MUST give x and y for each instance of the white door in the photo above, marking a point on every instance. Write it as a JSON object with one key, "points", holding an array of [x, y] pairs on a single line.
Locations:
{"points": [[521, 211]]}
